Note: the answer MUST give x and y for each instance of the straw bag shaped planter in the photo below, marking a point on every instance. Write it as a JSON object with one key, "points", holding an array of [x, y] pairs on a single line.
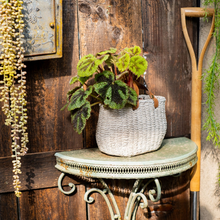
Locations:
{"points": [[127, 132]]}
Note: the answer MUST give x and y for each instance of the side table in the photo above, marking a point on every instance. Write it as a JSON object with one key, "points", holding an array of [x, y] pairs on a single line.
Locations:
{"points": [[174, 156]]}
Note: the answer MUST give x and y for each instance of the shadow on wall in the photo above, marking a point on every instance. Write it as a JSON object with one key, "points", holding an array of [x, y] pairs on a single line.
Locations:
{"points": [[209, 150], [207, 214]]}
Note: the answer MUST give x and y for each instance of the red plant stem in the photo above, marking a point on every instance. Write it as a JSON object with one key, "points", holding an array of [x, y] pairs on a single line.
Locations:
{"points": [[130, 82], [116, 71], [100, 69]]}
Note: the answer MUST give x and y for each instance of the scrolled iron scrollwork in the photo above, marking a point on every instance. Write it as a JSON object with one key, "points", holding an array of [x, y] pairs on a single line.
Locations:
{"points": [[103, 193], [153, 191], [60, 179], [89, 199], [135, 198]]}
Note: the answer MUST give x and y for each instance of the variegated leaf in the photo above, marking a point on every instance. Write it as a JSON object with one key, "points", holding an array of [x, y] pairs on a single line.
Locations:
{"points": [[70, 92], [99, 61], [132, 97], [138, 65], [114, 93], [123, 62], [136, 50], [73, 80], [111, 51], [87, 66], [82, 80], [109, 61], [105, 76], [79, 98], [80, 116]]}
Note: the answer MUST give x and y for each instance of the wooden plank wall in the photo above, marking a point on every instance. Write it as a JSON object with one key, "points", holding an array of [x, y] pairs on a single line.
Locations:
{"points": [[169, 72], [88, 27]]}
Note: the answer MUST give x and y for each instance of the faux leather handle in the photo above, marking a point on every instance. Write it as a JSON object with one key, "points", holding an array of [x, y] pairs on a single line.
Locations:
{"points": [[152, 96]]}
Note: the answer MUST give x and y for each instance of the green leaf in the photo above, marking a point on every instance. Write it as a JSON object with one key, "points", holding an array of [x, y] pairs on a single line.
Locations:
{"points": [[87, 66], [117, 95], [111, 51], [73, 80], [136, 50], [80, 116], [70, 92], [138, 65], [64, 107], [132, 97], [100, 60], [83, 79], [109, 61], [114, 93], [78, 99], [123, 62], [105, 76]]}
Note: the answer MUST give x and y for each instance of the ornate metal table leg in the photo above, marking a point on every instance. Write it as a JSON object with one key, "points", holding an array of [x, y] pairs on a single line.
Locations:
{"points": [[103, 193], [60, 185], [134, 199], [134, 190]]}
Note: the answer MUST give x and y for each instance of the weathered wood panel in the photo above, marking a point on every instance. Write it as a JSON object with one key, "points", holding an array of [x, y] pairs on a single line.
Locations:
{"points": [[38, 172], [175, 199], [8, 207], [119, 188], [5, 136], [49, 130], [52, 204], [104, 24], [174, 202], [47, 84], [163, 41], [169, 71]]}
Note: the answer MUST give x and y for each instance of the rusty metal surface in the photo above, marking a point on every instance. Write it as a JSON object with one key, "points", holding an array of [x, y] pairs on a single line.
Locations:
{"points": [[43, 29], [136, 195], [175, 156], [39, 34]]}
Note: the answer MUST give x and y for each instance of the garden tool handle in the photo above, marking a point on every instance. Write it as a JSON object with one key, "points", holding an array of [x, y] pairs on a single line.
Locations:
{"points": [[198, 12], [196, 84]]}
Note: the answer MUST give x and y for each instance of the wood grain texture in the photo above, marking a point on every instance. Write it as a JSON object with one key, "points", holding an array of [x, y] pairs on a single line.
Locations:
{"points": [[38, 172], [51, 204], [175, 199], [174, 203], [5, 136], [47, 84], [169, 70], [8, 207], [104, 24]]}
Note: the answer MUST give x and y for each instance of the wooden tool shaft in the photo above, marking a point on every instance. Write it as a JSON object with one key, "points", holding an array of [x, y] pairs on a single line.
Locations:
{"points": [[196, 103]]}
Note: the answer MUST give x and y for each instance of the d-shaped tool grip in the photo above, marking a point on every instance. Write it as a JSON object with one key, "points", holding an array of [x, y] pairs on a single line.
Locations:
{"points": [[196, 84], [198, 12]]}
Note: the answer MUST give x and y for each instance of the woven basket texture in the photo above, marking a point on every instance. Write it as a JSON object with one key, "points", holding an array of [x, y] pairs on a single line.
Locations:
{"points": [[127, 132]]}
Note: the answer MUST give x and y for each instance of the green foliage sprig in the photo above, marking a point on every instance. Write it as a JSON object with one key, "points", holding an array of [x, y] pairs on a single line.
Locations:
{"points": [[13, 89], [116, 81], [211, 80]]}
